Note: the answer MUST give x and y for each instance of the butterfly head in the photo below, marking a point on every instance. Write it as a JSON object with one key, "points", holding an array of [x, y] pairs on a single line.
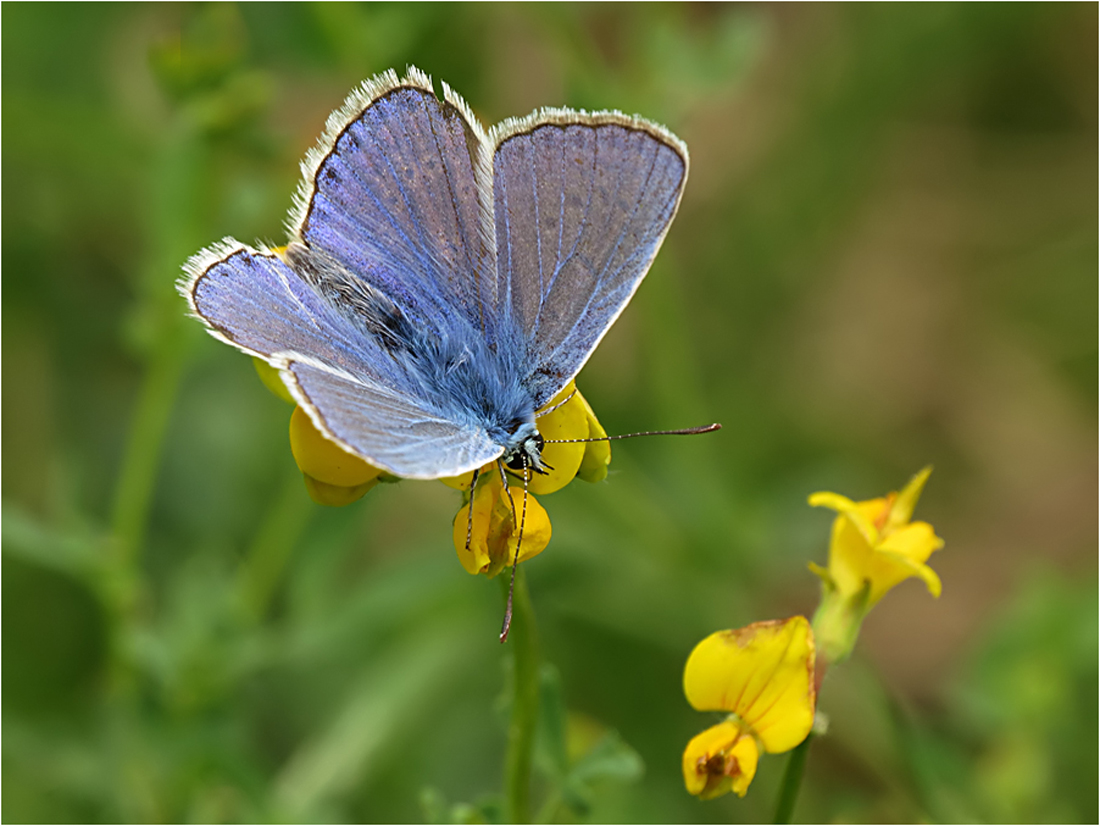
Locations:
{"points": [[524, 449]]}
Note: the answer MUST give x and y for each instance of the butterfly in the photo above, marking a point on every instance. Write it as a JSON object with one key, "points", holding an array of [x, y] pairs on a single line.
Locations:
{"points": [[442, 283]]}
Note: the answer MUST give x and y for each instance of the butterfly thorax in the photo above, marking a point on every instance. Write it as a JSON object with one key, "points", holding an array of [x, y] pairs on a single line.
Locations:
{"points": [[476, 385]]}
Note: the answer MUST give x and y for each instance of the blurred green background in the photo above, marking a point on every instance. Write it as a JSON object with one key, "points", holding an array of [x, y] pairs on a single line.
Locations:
{"points": [[886, 257]]}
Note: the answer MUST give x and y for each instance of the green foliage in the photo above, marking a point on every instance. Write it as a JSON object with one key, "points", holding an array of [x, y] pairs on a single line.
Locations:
{"points": [[886, 257]]}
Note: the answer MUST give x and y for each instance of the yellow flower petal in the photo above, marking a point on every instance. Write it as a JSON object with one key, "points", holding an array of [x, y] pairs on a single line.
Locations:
{"points": [[597, 455], [916, 541], [473, 520], [270, 377], [763, 673], [464, 481], [850, 556], [566, 420], [862, 514], [906, 502], [722, 759], [907, 549], [900, 569], [494, 534], [335, 496], [322, 459]]}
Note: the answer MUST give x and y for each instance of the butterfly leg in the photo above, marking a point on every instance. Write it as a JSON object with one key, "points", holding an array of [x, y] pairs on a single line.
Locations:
{"points": [[470, 512]]}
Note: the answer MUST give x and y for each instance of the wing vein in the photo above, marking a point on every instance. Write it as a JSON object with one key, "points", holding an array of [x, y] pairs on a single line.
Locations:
{"points": [[583, 223], [369, 191], [600, 281], [459, 225]]}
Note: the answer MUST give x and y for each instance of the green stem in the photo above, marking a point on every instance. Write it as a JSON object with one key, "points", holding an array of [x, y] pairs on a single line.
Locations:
{"points": [[549, 809], [173, 228], [525, 702], [143, 450], [267, 556], [792, 781]]}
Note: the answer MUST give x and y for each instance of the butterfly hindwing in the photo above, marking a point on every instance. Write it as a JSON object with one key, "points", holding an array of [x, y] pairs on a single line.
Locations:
{"points": [[582, 203], [392, 430], [254, 301]]}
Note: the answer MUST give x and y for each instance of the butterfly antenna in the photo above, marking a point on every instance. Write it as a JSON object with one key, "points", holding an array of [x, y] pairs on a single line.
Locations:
{"points": [[519, 542], [690, 431], [470, 512], [559, 404]]}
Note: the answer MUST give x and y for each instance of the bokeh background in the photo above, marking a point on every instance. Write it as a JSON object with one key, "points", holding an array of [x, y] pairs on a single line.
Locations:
{"points": [[886, 257]]}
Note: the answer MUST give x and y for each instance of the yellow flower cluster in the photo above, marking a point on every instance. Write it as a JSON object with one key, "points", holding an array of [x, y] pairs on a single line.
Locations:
{"points": [[493, 530], [765, 675], [335, 477], [873, 547]]}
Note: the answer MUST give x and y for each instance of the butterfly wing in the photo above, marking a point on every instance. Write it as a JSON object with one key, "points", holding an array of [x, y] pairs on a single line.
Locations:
{"points": [[352, 389], [391, 193], [582, 203], [388, 225]]}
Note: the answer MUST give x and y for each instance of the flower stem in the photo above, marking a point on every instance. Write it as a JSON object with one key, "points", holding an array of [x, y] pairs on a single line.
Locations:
{"points": [[525, 702], [792, 781]]}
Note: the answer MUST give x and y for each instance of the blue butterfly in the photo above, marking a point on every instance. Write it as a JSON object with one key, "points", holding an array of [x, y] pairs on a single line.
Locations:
{"points": [[443, 283]]}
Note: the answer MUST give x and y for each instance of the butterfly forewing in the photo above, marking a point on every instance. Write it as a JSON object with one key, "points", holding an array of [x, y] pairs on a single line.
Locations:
{"points": [[582, 203], [391, 193]]}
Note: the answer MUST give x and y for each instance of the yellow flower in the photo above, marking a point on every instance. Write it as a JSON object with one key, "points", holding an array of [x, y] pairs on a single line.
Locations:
{"points": [[494, 531], [270, 377], [763, 675], [874, 546]]}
